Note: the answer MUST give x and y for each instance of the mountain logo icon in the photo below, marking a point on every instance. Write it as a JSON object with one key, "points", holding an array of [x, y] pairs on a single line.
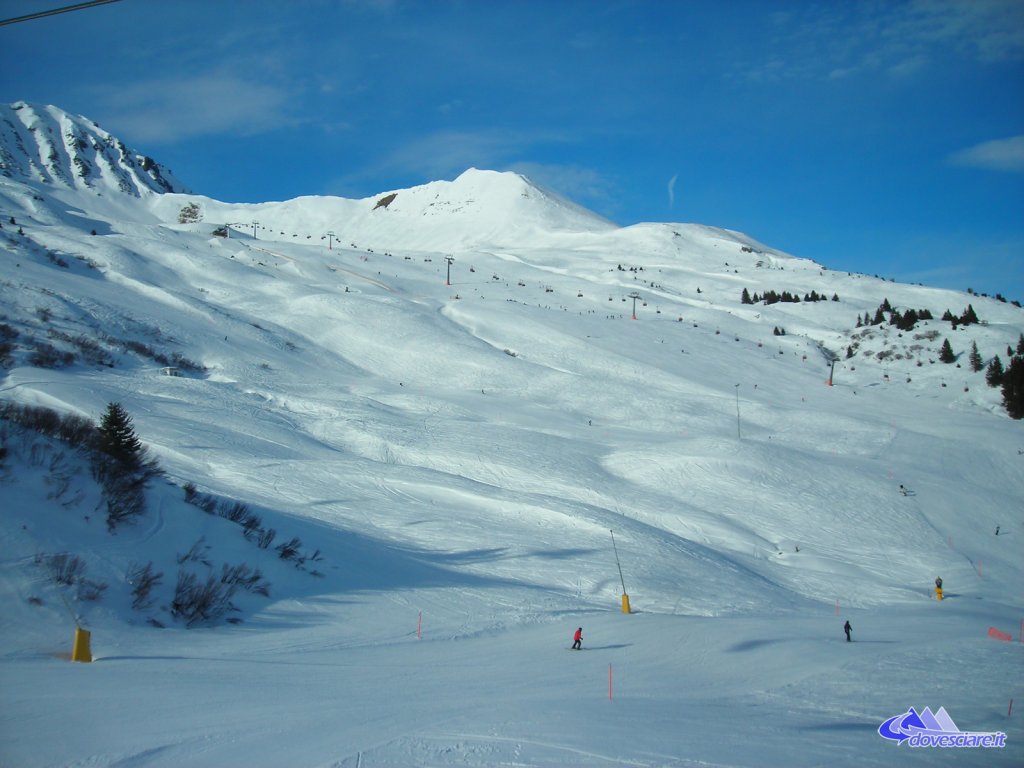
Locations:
{"points": [[928, 729]]}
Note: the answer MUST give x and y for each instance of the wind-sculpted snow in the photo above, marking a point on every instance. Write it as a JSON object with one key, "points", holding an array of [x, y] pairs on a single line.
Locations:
{"points": [[454, 459]]}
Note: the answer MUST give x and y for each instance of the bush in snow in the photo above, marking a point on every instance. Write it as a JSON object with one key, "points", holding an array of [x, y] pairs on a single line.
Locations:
{"points": [[196, 554], [290, 550], [48, 356], [142, 579], [189, 214], [197, 601], [75, 430], [264, 537], [69, 571], [245, 577], [64, 569]]}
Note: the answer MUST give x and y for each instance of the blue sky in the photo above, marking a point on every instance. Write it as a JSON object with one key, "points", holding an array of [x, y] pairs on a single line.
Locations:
{"points": [[878, 137]]}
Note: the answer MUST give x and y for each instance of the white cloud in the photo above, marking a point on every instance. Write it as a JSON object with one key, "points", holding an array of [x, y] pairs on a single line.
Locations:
{"points": [[672, 191], [998, 155], [163, 111]]}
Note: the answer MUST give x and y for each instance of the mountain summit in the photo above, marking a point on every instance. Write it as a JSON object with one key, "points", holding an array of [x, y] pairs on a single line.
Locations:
{"points": [[45, 144]]}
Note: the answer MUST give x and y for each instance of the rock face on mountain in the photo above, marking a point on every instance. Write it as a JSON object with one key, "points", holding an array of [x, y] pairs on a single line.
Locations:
{"points": [[45, 144]]}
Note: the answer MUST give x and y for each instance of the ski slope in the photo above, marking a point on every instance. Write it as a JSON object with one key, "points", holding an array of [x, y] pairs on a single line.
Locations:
{"points": [[459, 453]]}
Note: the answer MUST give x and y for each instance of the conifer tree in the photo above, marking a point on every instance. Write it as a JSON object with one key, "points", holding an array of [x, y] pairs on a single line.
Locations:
{"points": [[116, 439], [975, 358], [1013, 388], [946, 354], [994, 372], [1020, 345], [120, 463]]}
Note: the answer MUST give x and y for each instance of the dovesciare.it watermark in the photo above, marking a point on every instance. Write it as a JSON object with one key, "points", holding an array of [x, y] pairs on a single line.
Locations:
{"points": [[936, 730]]}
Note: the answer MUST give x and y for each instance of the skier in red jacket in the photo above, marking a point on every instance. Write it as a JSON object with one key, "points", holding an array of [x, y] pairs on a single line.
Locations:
{"points": [[577, 640]]}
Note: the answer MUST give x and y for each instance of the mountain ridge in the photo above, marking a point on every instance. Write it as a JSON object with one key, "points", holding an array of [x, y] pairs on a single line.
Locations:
{"points": [[48, 145]]}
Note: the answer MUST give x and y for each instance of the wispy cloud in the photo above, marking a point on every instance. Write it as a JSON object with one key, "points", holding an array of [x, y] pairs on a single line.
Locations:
{"points": [[834, 41], [672, 191], [164, 111], [585, 186], [998, 155]]}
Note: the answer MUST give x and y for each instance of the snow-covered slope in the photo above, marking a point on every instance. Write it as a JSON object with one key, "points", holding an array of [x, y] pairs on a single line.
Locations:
{"points": [[453, 458]]}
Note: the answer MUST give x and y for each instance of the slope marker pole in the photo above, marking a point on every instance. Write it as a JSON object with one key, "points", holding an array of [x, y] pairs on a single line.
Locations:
{"points": [[625, 597]]}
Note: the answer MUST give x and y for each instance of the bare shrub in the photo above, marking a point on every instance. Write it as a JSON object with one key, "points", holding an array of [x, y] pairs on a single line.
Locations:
{"points": [[47, 356], [265, 538], [197, 601], [196, 553], [64, 569], [142, 579], [69, 571], [290, 550], [241, 575]]}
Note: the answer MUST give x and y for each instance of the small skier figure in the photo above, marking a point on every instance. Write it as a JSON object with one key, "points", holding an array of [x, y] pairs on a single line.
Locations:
{"points": [[904, 491], [577, 640], [938, 582], [847, 629]]}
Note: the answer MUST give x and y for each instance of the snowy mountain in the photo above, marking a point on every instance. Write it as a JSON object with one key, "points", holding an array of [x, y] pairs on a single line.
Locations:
{"points": [[396, 435], [45, 144]]}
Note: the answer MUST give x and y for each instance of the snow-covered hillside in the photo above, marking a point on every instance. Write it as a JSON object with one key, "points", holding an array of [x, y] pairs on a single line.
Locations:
{"points": [[441, 397]]}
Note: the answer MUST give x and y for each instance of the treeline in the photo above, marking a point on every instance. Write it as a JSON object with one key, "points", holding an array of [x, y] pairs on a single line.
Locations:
{"points": [[774, 297], [904, 321]]}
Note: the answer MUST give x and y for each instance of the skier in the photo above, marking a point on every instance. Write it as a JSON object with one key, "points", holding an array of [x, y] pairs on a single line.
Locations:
{"points": [[938, 582], [847, 629], [577, 640]]}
